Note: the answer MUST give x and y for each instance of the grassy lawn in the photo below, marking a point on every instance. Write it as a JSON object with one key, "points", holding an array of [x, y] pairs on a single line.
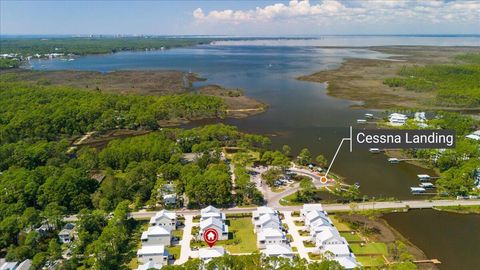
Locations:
{"points": [[178, 234], [175, 251], [370, 248], [299, 223], [351, 237], [339, 225], [371, 261], [308, 244], [314, 257], [304, 233], [290, 200], [244, 239]]}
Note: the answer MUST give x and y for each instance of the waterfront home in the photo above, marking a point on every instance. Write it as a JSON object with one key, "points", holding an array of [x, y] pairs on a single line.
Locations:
{"points": [[170, 199], [150, 265], [67, 234], [262, 210], [269, 236], [397, 119], [211, 211], [278, 250], [156, 235], [329, 237], [308, 207], [157, 254], [318, 218], [267, 221], [217, 225], [474, 135], [165, 219], [420, 117], [206, 254]]}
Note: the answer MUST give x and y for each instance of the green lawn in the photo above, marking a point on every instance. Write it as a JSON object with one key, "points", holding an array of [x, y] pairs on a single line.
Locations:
{"points": [[339, 225], [371, 261], [308, 244], [314, 257], [175, 251], [299, 223], [370, 248], [351, 237], [178, 233], [243, 238]]}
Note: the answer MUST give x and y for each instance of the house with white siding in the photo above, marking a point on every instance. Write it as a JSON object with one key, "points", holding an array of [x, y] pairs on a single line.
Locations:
{"points": [[157, 254], [217, 225], [263, 210], [318, 218], [164, 218], [267, 221], [329, 237], [212, 212], [270, 236], [207, 254], [156, 235], [309, 207], [278, 250]]}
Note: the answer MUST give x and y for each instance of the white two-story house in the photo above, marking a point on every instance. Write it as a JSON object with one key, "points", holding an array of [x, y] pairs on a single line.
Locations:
{"points": [[156, 235], [165, 219], [270, 236]]}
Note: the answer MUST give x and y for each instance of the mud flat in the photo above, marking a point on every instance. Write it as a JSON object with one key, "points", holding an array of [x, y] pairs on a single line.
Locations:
{"points": [[362, 79]]}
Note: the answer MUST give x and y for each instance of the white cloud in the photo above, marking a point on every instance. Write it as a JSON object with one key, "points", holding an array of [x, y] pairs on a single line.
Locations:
{"points": [[368, 11]]}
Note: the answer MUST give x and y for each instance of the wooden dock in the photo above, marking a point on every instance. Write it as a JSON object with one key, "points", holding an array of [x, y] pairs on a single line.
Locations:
{"points": [[434, 261]]}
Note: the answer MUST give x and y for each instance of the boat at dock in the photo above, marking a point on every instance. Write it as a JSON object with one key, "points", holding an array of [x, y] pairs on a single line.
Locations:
{"points": [[426, 185], [369, 116], [361, 121], [394, 160], [417, 190], [424, 177], [374, 150]]}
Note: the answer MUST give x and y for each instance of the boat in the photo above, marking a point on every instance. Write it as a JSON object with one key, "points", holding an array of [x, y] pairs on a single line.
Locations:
{"points": [[374, 150], [361, 121], [368, 115], [423, 177], [426, 185], [393, 160], [417, 190]]}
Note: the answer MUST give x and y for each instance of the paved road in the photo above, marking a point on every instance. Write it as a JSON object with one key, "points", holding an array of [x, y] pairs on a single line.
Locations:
{"points": [[413, 204], [185, 251]]}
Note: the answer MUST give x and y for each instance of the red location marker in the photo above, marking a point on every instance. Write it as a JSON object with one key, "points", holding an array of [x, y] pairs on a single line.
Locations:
{"points": [[210, 236]]}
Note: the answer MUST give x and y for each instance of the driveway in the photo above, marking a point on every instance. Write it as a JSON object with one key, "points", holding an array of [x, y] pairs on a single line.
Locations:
{"points": [[186, 251], [297, 239]]}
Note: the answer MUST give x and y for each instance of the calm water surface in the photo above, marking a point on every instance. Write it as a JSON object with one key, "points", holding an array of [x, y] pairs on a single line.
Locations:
{"points": [[300, 113], [454, 239]]}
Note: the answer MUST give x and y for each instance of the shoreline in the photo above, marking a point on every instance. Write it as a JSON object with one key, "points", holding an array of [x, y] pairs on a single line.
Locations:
{"points": [[361, 80], [142, 82]]}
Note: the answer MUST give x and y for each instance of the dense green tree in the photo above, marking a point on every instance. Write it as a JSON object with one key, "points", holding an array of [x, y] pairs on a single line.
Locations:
{"points": [[305, 157]]}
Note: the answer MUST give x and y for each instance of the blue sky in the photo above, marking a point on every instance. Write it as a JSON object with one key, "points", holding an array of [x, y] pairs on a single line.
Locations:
{"points": [[240, 17]]}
